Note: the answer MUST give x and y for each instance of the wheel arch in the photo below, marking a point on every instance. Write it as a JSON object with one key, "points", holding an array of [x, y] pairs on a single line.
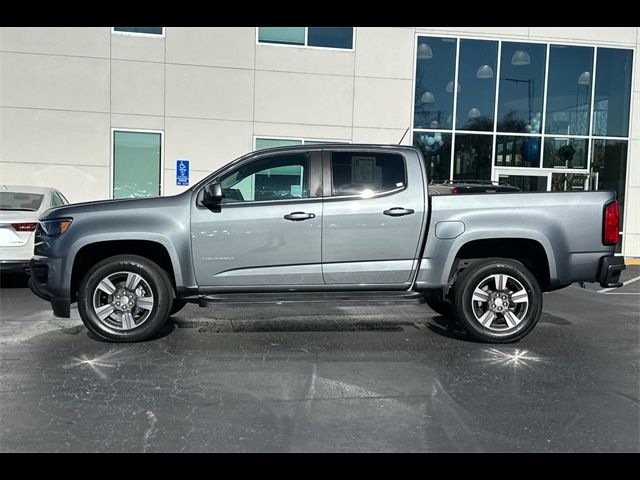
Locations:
{"points": [[531, 252], [91, 253]]}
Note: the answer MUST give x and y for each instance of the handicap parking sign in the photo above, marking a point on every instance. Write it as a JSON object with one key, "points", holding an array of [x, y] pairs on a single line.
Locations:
{"points": [[182, 172]]}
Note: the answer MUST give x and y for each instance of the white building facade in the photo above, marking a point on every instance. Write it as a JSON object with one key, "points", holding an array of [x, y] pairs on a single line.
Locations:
{"points": [[108, 112]]}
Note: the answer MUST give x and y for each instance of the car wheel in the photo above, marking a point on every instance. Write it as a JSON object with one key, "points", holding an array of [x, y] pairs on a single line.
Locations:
{"points": [[497, 300], [125, 298], [177, 306], [439, 303]]}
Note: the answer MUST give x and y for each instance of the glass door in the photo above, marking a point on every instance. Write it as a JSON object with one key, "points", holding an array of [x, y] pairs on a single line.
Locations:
{"points": [[524, 179]]}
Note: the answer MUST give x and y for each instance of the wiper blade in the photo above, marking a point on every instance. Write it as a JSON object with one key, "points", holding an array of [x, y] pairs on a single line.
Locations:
{"points": [[18, 209]]}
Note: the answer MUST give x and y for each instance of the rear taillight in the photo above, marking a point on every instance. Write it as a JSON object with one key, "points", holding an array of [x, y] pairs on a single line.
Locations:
{"points": [[611, 229], [24, 227], [455, 190]]}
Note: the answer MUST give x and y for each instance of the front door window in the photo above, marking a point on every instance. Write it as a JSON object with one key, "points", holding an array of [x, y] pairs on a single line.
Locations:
{"points": [[283, 177]]}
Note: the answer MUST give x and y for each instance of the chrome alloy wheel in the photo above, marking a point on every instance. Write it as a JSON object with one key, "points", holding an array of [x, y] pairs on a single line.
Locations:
{"points": [[499, 302], [123, 301]]}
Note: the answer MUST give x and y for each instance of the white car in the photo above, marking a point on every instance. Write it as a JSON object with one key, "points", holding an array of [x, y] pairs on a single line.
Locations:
{"points": [[20, 208]]}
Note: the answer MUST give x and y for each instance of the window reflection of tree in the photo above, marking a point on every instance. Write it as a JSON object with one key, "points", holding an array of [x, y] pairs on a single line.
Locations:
{"points": [[426, 112]]}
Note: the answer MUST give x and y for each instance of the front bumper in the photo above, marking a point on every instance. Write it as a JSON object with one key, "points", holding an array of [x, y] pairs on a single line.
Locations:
{"points": [[610, 270], [43, 282]]}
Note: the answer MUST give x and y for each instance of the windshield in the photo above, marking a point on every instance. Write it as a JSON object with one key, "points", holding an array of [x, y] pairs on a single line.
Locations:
{"points": [[29, 202]]}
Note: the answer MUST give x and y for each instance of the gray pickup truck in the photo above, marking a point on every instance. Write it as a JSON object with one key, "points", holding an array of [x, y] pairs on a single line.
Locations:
{"points": [[341, 223]]}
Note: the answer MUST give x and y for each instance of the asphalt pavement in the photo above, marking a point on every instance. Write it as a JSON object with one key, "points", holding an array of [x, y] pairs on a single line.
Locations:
{"points": [[324, 378]]}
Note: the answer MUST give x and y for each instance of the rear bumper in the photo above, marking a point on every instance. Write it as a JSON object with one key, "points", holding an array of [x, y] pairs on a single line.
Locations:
{"points": [[42, 284], [14, 266], [610, 270]]}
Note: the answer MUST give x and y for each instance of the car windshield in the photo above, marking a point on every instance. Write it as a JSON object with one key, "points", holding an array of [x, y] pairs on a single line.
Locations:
{"points": [[29, 202]]}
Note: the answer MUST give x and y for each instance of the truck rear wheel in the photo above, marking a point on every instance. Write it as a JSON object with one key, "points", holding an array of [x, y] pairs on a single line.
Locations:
{"points": [[497, 300], [125, 298]]}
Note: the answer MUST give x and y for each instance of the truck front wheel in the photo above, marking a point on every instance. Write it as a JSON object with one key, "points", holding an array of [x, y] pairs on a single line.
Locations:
{"points": [[125, 298], [497, 300]]}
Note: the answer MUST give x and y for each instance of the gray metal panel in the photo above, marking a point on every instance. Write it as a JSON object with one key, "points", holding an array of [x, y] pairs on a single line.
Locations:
{"points": [[257, 237], [568, 225], [160, 220]]}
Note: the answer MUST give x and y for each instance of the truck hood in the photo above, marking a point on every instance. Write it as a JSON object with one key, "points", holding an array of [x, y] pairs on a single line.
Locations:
{"points": [[117, 204]]}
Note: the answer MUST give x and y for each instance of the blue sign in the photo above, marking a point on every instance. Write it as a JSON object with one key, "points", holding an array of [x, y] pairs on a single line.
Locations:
{"points": [[182, 172]]}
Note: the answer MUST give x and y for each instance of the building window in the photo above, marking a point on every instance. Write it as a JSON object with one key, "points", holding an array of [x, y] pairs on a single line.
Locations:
{"points": [[517, 151], [136, 163], [609, 164], [154, 31], [472, 157], [557, 117], [521, 87], [436, 150], [435, 76], [323, 37], [261, 142], [562, 152], [613, 92], [569, 90], [476, 85]]}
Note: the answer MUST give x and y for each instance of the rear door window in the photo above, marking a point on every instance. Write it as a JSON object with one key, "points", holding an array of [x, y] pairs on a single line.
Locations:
{"points": [[366, 173]]}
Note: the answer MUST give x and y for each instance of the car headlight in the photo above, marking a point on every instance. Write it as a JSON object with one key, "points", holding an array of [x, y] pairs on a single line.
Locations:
{"points": [[56, 227]]}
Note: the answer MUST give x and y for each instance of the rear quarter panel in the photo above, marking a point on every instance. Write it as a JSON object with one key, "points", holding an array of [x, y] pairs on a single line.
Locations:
{"points": [[568, 225]]}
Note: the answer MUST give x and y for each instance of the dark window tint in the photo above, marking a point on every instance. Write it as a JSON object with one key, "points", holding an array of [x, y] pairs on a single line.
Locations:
{"points": [[613, 92], [472, 157], [435, 73], [147, 30], [517, 151], [20, 201], [436, 150], [366, 173], [565, 153], [609, 161], [477, 85], [521, 86], [569, 90], [56, 200], [526, 183], [282, 177], [331, 37]]}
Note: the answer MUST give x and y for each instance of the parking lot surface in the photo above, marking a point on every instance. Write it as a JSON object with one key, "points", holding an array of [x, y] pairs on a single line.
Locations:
{"points": [[324, 377]]}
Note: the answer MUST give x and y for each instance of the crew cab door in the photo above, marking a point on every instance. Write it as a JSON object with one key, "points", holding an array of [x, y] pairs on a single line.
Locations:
{"points": [[373, 216], [266, 231]]}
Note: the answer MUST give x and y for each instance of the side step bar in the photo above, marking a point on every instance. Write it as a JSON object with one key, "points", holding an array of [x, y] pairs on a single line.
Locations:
{"points": [[357, 298]]}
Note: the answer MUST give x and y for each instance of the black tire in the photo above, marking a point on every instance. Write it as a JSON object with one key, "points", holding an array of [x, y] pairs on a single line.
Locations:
{"points": [[439, 303], [177, 306], [502, 330], [154, 277]]}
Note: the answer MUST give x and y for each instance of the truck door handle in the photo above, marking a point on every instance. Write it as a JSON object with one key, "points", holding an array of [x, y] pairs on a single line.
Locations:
{"points": [[398, 211], [299, 216]]}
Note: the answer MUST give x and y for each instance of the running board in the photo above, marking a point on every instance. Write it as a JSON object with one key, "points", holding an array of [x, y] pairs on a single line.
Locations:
{"points": [[358, 298]]}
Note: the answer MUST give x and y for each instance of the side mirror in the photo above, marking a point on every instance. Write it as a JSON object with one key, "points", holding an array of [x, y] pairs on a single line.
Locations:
{"points": [[212, 194]]}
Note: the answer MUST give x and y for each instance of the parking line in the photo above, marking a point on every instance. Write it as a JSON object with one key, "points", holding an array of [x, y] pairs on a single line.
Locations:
{"points": [[624, 284], [623, 293]]}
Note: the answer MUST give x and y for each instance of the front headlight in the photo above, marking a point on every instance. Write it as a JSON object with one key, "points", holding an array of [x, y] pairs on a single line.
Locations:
{"points": [[56, 227]]}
